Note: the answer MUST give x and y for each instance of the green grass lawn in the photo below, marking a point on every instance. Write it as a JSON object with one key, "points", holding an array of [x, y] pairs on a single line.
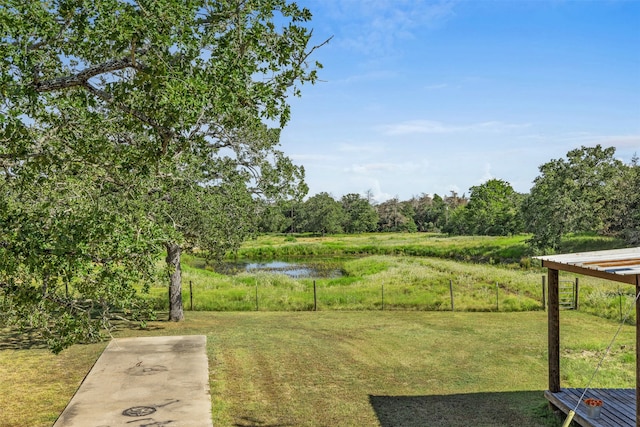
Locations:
{"points": [[350, 368]]}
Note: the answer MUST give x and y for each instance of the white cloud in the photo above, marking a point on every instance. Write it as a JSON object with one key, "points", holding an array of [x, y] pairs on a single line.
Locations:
{"points": [[618, 141], [496, 126], [487, 174], [367, 77], [417, 126], [374, 26], [430, 126], [372, 167], [312, 158], [403, 167], [360, 149], [373, 185]]}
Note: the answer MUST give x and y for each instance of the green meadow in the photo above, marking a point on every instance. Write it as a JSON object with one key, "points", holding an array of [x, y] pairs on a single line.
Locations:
{"points": [[394, 271]]}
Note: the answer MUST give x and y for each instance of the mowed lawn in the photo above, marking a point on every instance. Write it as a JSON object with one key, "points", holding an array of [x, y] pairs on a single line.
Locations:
{"points": [[351, 368]]}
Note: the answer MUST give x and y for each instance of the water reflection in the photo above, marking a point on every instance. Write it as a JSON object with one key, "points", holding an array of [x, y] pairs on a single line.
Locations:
{"points": [[294, 269]]}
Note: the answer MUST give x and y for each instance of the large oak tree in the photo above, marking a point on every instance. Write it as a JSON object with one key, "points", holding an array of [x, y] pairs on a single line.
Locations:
{"points": [[131, 126], [572, 195]]}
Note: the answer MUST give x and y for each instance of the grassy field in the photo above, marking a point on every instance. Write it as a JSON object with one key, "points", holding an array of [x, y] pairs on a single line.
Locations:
{"points": [[486, 249], [401, 282], [350, 368], [408, 283], [469, 248]]}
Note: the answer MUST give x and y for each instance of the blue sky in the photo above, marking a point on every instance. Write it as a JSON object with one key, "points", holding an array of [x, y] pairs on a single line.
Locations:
{"points": [[438, 96]]}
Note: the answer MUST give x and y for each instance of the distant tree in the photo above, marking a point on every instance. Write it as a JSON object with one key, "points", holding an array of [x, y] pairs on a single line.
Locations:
{"points": [[271, 217], [455, 221], [429, 213], [438, 212], [368, 195], [408, 213], [396, 216], [421, 207], [571, 195], [453, 200], [493, 209], [630, 229], [278, 213], [359, 215], [322, 214], [623, 212], [457, 224], [293, 211]]}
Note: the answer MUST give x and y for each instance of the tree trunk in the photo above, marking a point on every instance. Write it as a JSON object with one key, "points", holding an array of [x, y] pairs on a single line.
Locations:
{"points": [[176, 313]]}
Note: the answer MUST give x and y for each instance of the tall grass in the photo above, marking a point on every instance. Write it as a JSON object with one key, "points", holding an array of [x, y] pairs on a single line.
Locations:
{"points": [[391, 272], [369, 283]]}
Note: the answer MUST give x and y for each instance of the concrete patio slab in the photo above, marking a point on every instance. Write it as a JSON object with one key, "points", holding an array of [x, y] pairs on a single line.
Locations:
{"points": [[145, 382]]}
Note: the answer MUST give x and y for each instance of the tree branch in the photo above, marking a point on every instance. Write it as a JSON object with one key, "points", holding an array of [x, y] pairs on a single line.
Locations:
{"points": [[165, 133], [82, 78], [63, 27]]}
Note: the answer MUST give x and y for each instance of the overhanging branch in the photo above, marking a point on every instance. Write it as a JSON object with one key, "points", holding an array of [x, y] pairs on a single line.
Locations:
{"points": [[82, 78]]}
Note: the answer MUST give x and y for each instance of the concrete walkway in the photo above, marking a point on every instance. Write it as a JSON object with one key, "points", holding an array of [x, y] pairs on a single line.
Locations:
{"points": [[145, 382]]}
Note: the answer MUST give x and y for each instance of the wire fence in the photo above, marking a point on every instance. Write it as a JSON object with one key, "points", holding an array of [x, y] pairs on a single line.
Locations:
{"points": [[489, 297]]}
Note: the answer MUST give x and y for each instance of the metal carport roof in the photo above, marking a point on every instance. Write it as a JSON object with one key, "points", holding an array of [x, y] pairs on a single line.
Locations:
{"points": [[620, 265]]}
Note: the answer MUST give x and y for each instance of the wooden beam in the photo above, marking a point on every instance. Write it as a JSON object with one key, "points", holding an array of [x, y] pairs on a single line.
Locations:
{"points": [[628, 278], [553, 326]]}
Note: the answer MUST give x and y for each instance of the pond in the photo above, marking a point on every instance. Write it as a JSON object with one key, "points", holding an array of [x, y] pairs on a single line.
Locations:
{"points": [[295, 269]]}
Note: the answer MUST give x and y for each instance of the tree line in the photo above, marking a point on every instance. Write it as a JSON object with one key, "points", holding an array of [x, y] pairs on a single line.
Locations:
{"points": [[588, 191]]}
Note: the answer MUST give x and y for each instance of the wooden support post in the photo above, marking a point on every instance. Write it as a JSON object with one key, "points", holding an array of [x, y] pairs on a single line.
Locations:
{"points": [[554, 331], [315, 297], [191, 294], [637, 353], [575, 295], [544, 290]]}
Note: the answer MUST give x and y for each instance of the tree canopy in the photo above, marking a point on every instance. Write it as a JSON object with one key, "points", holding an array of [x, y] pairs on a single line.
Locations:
{"points": [[493, 209], [572, 195], [322, 214], [127, 128], [359, 215]]}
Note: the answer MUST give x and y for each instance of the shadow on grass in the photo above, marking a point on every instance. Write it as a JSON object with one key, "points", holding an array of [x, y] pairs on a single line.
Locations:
{"points": [[12, 339], [16, 339], [521, 408]]}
